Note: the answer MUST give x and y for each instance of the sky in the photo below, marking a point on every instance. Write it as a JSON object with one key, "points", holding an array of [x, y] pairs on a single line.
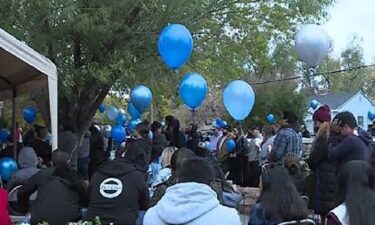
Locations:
{"points": [[352, 17]]}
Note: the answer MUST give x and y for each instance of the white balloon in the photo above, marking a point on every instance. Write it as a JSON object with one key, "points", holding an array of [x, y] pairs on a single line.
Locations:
{"points": [[312, 44], [112, 113], [107, 131]]}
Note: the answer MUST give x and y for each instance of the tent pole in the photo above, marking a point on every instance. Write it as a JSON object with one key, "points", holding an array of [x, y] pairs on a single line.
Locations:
{"points": [[14, 122]]}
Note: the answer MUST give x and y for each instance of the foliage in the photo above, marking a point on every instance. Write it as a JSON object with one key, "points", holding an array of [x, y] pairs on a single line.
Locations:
{"points": [[98, 45], [359, 79]]}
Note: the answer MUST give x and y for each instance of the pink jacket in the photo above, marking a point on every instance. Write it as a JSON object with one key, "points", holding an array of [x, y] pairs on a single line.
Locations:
{"points": [[4, 214]]}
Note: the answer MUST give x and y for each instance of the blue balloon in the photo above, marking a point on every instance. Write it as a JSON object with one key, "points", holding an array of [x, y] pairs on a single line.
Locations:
{"points": [[133, 112], [207, 146], [4, 134], [132, 125], [239, 99], [7, 167], [121, 119], [118, 133], [175, 45], [371, 115], [231, 145], [314, 104], [141, 97], [193, 90], [112, 113], [271, 118], [225, 124], [29, 114], [102, 108], [220, 123]]}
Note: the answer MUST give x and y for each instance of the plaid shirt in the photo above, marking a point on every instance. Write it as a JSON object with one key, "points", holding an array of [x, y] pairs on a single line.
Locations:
{"points": [[286, 141]]}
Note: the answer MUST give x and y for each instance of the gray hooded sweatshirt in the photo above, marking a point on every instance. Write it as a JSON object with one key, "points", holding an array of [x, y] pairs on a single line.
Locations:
{"points": [[27, 162]]}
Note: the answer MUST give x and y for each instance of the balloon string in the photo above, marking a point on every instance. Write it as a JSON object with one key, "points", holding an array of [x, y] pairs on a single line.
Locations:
{"points": [[193, 115]]}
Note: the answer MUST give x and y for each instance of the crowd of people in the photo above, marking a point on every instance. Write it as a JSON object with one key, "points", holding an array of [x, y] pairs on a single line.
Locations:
{"points": [[163, 175]]}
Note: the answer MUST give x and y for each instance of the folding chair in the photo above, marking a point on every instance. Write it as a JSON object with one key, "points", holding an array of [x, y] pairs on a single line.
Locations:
{"points": [[12, 200], [299, 222]]}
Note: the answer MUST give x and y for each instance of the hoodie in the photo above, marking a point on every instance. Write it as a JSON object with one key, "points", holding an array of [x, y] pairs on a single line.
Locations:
{"points": [[27, 162], [353, 147], [190, 204], [61, 194], [117, 192]]}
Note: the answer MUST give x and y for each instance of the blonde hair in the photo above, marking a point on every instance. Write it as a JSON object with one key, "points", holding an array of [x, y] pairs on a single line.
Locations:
{"points": [[324, 129], [166, 156]]}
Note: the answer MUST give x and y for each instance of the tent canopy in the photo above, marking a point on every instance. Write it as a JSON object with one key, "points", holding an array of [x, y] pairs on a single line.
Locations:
{"points": [[23, 70]]}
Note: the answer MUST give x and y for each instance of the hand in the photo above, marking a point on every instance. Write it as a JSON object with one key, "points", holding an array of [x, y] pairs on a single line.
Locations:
{"points": [[335, 126]]}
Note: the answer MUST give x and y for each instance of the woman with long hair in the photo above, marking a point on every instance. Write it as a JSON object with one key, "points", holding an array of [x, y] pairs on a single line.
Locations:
{"points": [[269, 134], [322, 182], [356, 184], [279, 200]]}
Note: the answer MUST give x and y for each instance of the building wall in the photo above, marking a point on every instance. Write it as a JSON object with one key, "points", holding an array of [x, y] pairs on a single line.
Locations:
{"points": [[359, 105]]}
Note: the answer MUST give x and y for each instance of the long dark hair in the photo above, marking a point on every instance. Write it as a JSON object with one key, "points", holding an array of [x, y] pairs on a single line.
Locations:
{"points": [[356, 184], [279, 198]]}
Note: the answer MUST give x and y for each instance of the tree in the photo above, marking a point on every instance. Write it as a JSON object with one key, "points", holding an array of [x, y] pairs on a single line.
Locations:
{"points": [[102, 45]]}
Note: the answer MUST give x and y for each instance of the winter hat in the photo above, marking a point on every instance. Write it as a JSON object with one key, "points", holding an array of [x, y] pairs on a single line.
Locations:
{"points": [[323, 114]]}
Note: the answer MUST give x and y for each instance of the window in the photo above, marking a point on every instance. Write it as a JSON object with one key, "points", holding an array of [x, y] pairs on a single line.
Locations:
{"points": [[360, 121]]}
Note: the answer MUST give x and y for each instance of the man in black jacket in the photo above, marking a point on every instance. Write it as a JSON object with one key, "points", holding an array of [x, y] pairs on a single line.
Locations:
{"points": [[61, 193], [118, 192]]}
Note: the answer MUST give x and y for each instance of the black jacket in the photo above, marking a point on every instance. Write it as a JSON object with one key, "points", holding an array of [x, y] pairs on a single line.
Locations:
{"points": [[97, 153], [323, 182], [138, 152], [61, 193], [158, 144], [117, 192]]}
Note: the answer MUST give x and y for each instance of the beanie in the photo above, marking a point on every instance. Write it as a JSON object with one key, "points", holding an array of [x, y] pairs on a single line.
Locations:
{"points": [[323, 114]]}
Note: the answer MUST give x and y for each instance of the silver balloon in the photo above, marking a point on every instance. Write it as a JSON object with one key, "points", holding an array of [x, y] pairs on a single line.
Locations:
{"points": [[112, 113], [107, 131], [312, 44]]}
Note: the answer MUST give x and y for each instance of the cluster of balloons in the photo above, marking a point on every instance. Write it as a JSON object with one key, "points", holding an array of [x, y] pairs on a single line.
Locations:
{"points": [[29, 114], [312, 44], [7, 167], [239, 99], [220, 123], [314, 104], [371, 115]]}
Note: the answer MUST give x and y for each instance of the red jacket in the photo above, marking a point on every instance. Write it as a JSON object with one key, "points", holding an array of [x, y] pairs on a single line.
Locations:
{"points": [[4, 214]]}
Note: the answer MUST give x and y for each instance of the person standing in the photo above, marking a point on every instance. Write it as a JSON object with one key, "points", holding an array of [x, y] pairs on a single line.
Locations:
{"points": [[288, 138], [322, 182], [348, 142], [97, 153], [254, 147], [214, 139], [84, 156], [269, 134], [67, 143], [158, 140]]}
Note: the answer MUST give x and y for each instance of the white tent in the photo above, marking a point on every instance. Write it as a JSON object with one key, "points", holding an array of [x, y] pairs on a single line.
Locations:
{"points": [[23, 70]]}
